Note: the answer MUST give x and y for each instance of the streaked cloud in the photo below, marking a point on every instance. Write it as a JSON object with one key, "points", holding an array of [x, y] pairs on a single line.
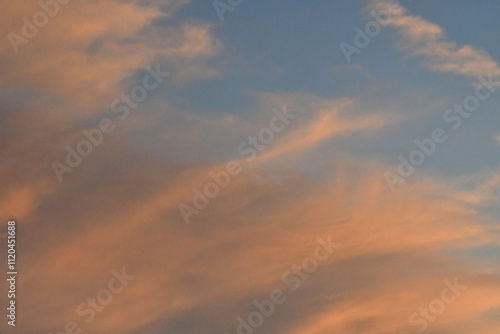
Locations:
{"points": [[120, 208], [84, 54], [422, 38]]}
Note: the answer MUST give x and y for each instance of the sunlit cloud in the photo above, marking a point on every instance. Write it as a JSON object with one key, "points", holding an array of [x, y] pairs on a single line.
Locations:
{"points": [[120, 208], [420, 37]]}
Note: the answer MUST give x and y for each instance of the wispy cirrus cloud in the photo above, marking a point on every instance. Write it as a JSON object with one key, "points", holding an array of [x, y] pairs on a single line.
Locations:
{"points": [[121, 207], [422, 38], [86, 52], [394, 253]]}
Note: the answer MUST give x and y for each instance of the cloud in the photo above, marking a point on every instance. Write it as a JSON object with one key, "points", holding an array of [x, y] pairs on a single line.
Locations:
{"points": [[207, 274], [427, 40], [120, 208], [331, 119], [497, 137], [85, 52], [318, 121]]}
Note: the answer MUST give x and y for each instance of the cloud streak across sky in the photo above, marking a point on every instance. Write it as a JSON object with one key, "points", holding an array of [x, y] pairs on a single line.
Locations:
{"points": [[322, 176]]}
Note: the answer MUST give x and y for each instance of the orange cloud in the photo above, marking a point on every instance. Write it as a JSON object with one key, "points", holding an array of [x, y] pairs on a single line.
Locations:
{"points": [[87, 49], [420, 37]]}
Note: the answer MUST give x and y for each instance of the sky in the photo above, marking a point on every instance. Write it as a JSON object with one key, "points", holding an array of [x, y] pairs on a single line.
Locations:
{"points": [[236, 166]]}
